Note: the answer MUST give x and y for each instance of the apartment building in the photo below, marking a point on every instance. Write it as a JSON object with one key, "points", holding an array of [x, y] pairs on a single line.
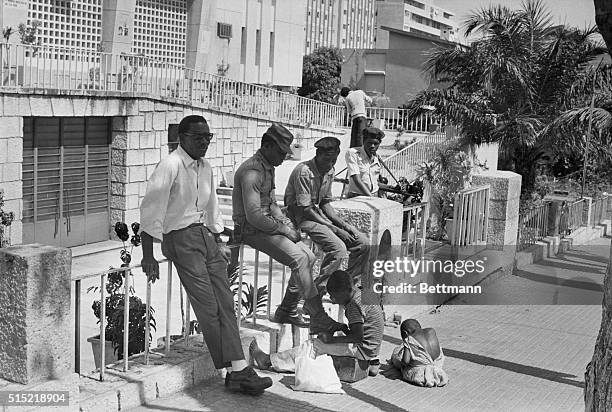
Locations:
{"points": [[421, 17], [247, 40], [340, 23]]}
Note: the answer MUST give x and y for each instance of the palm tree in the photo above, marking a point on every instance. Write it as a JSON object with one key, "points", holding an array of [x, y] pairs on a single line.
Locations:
{"points": [[511, 83], [598, 377]]}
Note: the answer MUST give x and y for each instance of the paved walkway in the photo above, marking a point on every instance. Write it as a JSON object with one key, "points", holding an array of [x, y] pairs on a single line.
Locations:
{"points": [[505, 357]]}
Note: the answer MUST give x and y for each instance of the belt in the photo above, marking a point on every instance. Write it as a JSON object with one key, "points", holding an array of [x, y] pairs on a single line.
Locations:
{"points": [[197, 224]]}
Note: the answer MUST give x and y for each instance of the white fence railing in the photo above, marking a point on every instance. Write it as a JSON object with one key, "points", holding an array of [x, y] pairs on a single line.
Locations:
{"points": [[81, 71], [471, 216], [397, 119], [533, 225], [404, 162], [601, 209]]}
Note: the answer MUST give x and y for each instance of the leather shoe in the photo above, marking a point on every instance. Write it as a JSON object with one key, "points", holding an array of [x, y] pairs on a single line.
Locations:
{"points": [[289, 317]]}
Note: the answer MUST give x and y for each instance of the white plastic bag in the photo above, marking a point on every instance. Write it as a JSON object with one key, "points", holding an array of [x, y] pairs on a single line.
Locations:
{"points": [[315, 374]]}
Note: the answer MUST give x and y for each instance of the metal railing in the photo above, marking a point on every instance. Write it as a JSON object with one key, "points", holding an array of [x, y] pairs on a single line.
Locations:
{"points": [[103, 276], [82, 71], [397, 119], [471, 216], [601, 209], [572, 216], [404, 162], [533, 225], [414, 226]]}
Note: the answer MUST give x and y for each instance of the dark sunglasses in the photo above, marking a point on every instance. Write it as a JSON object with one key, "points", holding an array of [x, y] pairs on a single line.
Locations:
{"points": [[206, 136]]}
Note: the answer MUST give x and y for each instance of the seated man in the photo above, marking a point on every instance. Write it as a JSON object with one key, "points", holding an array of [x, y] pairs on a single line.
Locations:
{"points": [[415, 356], [362, 339], [363, 165], [308, 199], [260, 223]]}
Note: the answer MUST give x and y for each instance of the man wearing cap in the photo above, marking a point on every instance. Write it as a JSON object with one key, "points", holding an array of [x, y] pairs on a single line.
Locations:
{"points": [[308, 199], [363, 165], [355, 101], [181, 209], [260, 223]]}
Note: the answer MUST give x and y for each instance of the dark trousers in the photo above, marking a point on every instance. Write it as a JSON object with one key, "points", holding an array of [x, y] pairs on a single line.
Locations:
{"points": [[358, 125], [203, 273]]}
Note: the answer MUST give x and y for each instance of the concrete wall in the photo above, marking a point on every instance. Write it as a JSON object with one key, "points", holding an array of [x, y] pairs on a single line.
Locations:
{"points": [[285, 19], [139, 141]]}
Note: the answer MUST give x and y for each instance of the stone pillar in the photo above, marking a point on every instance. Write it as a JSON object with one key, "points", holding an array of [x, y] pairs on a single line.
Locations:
{"points": [[36, 327], [381, 221], [503, 205], [201, 29], [11, 161]]}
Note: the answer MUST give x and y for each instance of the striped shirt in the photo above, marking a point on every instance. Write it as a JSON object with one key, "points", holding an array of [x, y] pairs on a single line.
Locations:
{"points": [[373, 320]]}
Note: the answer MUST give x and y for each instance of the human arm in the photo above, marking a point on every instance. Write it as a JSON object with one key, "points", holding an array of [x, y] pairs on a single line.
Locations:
{"points": [[251, 198], [149, 264], [354, 334], [152, 213], [367, 98], [354, 172]]}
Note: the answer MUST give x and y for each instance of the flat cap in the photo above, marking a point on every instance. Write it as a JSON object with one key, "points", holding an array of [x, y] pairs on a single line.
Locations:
{"points": [[328, 143], [281, 135], [373, 133]]}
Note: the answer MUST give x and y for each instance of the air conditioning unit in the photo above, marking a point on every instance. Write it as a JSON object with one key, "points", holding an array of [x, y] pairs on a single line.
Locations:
{"points": [[224, 30]]}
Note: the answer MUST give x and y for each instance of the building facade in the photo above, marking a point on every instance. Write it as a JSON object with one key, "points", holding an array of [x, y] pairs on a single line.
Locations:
{"points": [[395, 70], [420, 17], [340, 23], [247, 40]]}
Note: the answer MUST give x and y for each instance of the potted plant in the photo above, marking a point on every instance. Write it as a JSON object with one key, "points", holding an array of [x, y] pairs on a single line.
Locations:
{"points": [[115, 306]]}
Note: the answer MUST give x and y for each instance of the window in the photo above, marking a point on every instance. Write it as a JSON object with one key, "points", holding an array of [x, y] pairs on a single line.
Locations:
{"points": [[257, 47], [271, 57], [243, 46], [224, 30]]}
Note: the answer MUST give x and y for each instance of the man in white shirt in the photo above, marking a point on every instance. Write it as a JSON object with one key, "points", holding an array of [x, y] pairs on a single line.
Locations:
{"points": [[181, 209], [363, 165], [355, 105]]}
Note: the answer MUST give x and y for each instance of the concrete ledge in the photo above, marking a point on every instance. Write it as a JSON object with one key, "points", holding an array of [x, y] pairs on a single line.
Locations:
{"points": [[546, 248], [187, 365]]}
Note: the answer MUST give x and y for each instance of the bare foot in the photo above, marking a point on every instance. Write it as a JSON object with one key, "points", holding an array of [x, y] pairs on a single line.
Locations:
{"points": [[261, 360]]}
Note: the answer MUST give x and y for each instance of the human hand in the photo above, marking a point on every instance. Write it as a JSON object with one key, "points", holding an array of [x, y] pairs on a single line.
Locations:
{"points": [[325, 337], [150, 267], [226, 252], [345, 329], [292, 234], [352, 230], [343, 235]]}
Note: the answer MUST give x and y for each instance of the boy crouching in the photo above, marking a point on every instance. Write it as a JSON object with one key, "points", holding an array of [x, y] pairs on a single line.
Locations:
{"points": [[362, 337]]}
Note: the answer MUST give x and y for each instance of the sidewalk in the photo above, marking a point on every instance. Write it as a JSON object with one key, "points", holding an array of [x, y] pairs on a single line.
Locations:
{"points": [[503, 357]]}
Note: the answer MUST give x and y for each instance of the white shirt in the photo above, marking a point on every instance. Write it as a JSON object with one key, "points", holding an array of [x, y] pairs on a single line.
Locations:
{"points": [[180, 192], [358, 163], [355, 103]]}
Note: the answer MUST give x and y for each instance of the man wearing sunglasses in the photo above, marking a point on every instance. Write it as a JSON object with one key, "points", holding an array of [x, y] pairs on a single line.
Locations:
{"points": [[181, 209], [260, 223]]}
